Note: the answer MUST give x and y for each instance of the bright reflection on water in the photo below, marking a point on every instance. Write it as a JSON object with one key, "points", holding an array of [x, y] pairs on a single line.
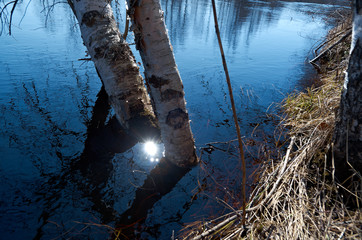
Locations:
{"points": [[66, 162], [151, 148], [153, 151]]}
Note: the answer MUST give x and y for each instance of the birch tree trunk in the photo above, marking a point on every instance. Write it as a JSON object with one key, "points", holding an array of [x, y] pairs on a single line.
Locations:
{"points": [[113, 60], [348, 131], [163, 81]]}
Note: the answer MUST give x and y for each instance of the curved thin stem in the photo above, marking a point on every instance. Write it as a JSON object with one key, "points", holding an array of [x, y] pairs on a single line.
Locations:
{"points": [[234, 111]]}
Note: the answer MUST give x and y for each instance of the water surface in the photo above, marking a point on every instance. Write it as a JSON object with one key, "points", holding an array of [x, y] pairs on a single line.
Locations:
{"points": [[68, 170]]}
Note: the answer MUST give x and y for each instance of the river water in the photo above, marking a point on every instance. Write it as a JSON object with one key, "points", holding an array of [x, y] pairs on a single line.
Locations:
{"points": [[67, 169]]}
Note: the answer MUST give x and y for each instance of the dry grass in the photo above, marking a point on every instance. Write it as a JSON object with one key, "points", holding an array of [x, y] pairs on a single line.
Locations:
{"points": [[298, 197]]}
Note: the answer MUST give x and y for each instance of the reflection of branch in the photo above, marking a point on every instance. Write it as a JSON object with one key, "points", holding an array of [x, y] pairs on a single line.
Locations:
{"points": [[11, 12], [26, 9], [34, 102], [85, 59], [11, 15], [50, 8], [5, 6]]}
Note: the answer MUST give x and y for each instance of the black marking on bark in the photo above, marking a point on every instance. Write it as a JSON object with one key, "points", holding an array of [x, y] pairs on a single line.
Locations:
{"points": [[99, 52], [170, 94], [177, 118], [90, 41], [136, 107], [130, 70], [134, 70], [126, 95], [138, 38], [157, 82], [90, 18], [113, 52]]}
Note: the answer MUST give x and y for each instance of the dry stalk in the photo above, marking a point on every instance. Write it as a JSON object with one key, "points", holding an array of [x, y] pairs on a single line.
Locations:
{"points": [[233, 109]]}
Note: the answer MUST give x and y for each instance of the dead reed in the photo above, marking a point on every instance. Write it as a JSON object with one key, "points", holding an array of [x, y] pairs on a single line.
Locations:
{"points": [[298, 196]]}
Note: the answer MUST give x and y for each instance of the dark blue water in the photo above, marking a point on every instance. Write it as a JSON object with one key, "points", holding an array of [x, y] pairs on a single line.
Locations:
{"points": [[68, 170]]}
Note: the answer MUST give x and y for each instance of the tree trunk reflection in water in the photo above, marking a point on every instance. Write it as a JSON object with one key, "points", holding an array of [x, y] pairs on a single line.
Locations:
{"points": [[90, 173], [95, 165], [162, 179]]}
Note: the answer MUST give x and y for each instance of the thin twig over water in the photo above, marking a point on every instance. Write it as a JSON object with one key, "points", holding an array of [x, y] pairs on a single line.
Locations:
{"points": [[234, 110]]}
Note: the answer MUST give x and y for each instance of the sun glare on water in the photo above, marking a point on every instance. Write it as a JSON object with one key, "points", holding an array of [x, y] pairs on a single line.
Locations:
{"points": [[151, 148]]}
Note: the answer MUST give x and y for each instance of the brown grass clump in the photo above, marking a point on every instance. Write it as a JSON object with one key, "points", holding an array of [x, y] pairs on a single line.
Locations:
{"points": [[298, 196]]}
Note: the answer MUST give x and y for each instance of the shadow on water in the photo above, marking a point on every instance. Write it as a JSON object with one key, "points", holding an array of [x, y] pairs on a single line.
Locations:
{"points": [[92, 170]]}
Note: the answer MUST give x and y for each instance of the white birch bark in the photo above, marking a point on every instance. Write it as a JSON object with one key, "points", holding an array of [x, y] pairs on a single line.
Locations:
{"points": [[163, 81], [113, 60], [348, 131]]}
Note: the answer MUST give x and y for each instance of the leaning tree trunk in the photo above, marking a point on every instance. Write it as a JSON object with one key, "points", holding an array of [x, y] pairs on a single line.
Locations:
{"points": [[163, 81], [113, 60], [348, 131]]}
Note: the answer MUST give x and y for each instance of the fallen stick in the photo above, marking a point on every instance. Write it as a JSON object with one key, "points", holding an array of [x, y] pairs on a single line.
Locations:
{"points": [[327, 41], [328, 49]]}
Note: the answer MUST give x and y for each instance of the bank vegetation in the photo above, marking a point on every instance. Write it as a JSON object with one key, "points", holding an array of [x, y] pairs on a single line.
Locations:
{"points": [[299, 196]]}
